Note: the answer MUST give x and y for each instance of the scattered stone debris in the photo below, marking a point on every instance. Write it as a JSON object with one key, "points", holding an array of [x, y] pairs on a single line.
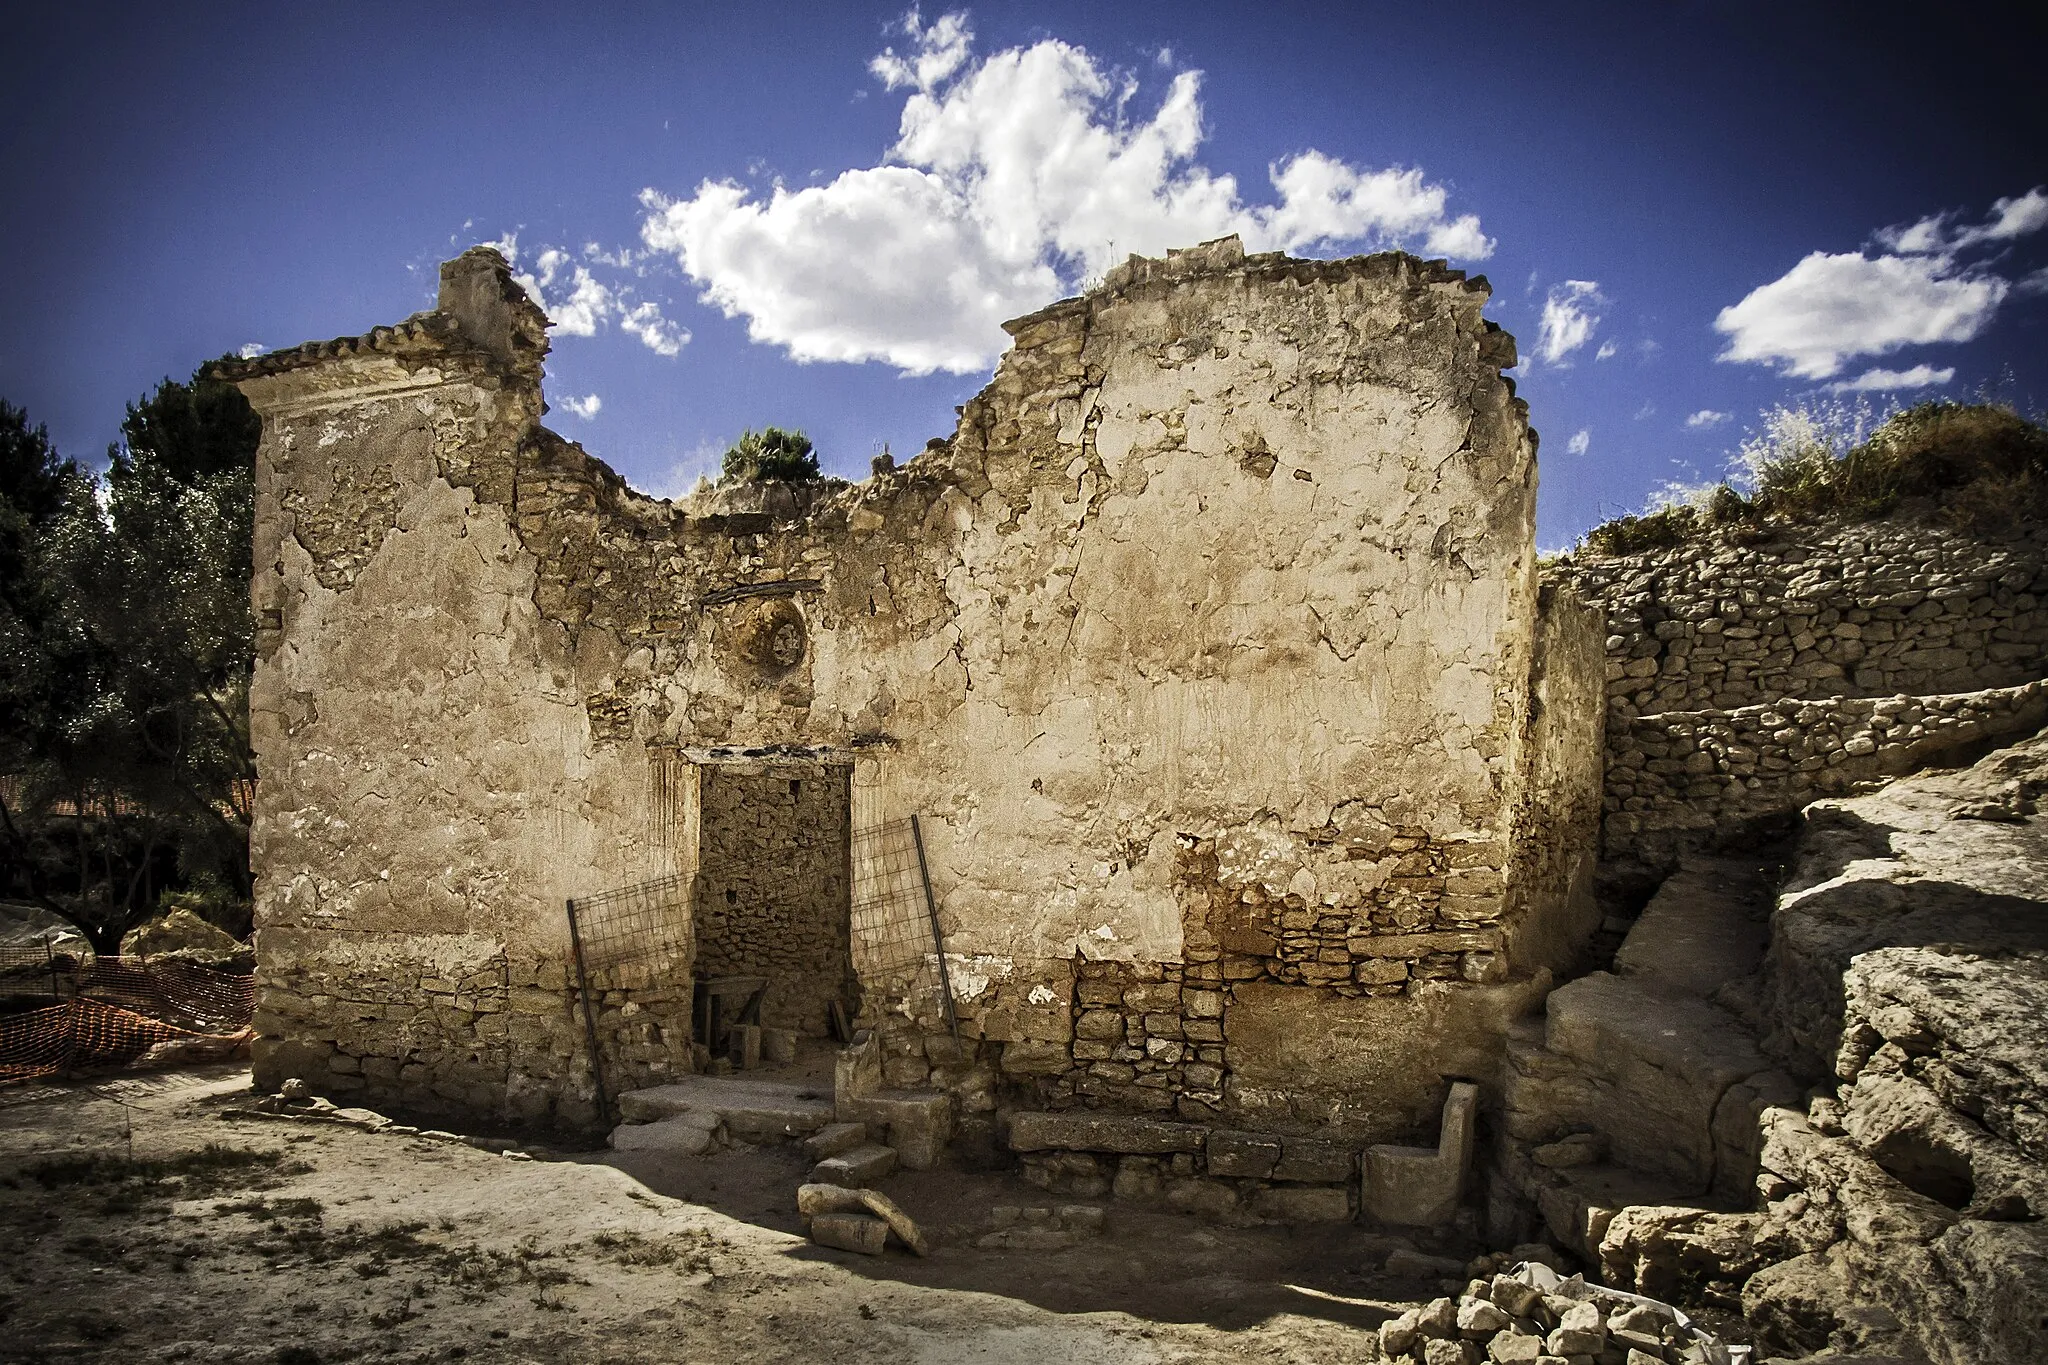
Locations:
{"points": [[1533, 1316], [814, 1201]]}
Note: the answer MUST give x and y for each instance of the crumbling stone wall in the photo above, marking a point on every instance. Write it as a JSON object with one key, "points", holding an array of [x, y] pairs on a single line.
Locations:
{"points": [[771, 897], [1747, 676], [1211, 637], [1682, 778]]}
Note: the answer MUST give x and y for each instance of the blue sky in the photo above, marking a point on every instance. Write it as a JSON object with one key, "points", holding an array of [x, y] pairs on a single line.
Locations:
{"points": [[1719, 207]]}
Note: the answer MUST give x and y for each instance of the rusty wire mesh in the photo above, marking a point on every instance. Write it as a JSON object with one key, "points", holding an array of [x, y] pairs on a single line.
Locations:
{"points": [[896, 945], [628, 935]]}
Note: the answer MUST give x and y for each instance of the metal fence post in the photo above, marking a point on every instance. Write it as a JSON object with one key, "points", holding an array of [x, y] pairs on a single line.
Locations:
{"points": [[938, 940], [604, 1104]]}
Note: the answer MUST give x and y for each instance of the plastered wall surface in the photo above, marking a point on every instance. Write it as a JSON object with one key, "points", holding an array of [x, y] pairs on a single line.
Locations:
{"points": [[1207, 648]]}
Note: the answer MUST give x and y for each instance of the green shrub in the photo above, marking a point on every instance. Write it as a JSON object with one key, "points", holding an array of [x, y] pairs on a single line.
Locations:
{"points": [[770, 454]]}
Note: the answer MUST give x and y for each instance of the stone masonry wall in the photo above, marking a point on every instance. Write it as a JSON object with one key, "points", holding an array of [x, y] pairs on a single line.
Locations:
{"points": [[1867, 610], [1682, 776], [1211, 637], [1746, 677], [771, 897]]}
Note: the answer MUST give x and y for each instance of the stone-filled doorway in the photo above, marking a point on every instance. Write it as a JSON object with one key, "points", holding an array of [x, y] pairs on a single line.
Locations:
{"points": [[773, 886]]}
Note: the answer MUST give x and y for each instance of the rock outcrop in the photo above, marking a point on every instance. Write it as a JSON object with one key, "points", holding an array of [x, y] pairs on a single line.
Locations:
{"points": [[1909, 962]]}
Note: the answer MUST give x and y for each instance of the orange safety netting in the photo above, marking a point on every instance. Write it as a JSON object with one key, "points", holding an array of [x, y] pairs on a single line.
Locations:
{"points": [[127, 1010]]}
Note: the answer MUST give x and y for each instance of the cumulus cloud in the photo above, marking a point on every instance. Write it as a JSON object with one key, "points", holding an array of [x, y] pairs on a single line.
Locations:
{"points": [[1886, 381], [579, 304], [1707, 418], [1915, 290], [1606, 351], [1580, 443], [1568, 320], [1013, 177], [249, 350], [585, 407]]}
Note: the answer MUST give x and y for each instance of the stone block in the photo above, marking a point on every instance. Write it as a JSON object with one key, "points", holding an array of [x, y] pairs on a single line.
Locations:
{"points": [[746, 1047], [917, 1124], [1035, 1057], [859, 1232], [1444, 1351], [1138, 1178], [1242, 1155], [684, 1135], [1316, 1161], [1035, 1131], [813, 1200], [1209, 1198], [778, 1045], [835, 1138], [856, 1166], [1422, 1186]]}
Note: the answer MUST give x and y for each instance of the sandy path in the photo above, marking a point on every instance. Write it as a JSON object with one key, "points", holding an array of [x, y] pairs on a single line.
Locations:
{"points": [[298, 1242]]}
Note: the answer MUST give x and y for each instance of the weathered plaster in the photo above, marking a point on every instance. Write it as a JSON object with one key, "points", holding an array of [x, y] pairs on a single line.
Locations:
{"points": [[1207, 647]]}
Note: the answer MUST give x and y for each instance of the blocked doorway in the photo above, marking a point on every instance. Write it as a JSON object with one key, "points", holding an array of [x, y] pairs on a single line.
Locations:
{"points": [[773, 886]]}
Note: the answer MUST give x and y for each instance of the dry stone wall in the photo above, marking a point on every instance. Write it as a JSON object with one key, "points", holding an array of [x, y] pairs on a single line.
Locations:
{"points": [[771, 896], [1864, 610], [1746, 677], [1209, 648]]}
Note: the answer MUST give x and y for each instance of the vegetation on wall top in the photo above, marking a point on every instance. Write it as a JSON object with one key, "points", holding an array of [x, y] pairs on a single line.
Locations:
{"points": [[1983, 464], [770, 454]]}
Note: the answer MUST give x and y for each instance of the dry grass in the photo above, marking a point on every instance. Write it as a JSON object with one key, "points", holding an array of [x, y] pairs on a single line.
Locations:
{"points": [[1982, 467]]}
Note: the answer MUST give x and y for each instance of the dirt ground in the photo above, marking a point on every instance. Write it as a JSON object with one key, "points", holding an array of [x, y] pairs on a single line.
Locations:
{"points": [[141, 1218]]}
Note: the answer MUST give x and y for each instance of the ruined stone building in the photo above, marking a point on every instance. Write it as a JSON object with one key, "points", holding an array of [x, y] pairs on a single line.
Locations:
{"points": [[1258, 782]]}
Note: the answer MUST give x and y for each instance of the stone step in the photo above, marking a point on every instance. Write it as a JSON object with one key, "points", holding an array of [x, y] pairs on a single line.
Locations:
{"points": [[752, 1110], [859, 1166], [835, 1138], [917, 1123], [1650, 1071], [690, 1134], [1707, 926]]}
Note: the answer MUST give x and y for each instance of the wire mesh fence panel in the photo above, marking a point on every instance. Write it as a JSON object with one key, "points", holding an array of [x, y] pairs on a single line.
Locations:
{"points": [[630, 936], [126, 1011], [896, 947], [632, 949]]}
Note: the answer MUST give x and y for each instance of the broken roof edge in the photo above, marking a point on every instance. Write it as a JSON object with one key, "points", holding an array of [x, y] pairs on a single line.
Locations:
{"points": [[480, 313], [1226, 255]]}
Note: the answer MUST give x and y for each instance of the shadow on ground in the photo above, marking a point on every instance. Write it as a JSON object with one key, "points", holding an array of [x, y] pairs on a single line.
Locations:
{"points": [[1153, 1264]]}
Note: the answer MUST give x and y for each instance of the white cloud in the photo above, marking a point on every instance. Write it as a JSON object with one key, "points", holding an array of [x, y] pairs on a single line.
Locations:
{"points": [[251, 349], [579, 304], [1606, 351], [1938, 234], [1707, 418], [1580, 443], [1568, 320], [1916, 290], [1648, 409], [2033, 282], [700, 462], [1829, 308], [1013, 176], [1885, 381], [585, 407]]}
